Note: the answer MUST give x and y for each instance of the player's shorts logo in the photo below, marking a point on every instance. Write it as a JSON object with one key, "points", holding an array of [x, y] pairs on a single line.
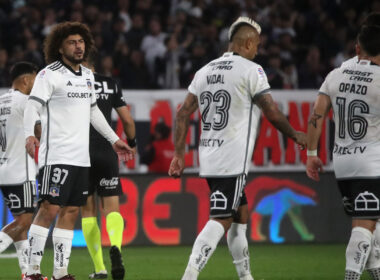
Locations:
{"points": [[218, 201], [366, 202], [54, 191], [13, 201]]}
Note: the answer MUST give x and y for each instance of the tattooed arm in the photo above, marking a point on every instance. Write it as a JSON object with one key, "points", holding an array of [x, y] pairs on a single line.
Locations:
{"points": [[277, 118], [321, 107], [181, 127]]}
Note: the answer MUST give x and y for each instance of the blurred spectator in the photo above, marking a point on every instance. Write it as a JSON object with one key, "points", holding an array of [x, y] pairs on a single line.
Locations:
{"points": [[198, 33], [274, 72], [160, 151], [346, 53], [197, 59], [4, 73], [133, 73], [311, 71], [106, 66], [137, 32], [33, 54], [289, 75], [153, 47]]}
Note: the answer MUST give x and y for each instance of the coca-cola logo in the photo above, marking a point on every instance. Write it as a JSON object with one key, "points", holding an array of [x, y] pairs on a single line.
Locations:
{"points": [[109, 183]]}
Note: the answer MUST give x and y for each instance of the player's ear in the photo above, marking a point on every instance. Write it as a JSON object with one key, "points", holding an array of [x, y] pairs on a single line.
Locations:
{"points": [[60, 50]]}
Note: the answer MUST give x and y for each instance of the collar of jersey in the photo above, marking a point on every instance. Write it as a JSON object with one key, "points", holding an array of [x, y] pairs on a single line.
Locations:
{"points": [[79, 73]]}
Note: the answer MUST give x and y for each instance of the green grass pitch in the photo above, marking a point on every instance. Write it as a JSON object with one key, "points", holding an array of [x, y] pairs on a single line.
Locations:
{"points": [[268, 262]]}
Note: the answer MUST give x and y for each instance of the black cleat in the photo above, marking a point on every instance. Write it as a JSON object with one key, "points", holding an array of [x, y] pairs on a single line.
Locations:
{"points": [[100, 275], [117, 270]]}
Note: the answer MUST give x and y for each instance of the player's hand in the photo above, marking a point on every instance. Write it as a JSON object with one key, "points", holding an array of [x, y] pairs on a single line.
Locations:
{"points": [[177, 166], [123, 151], [300, 139], [314, 165], [31, 144]]}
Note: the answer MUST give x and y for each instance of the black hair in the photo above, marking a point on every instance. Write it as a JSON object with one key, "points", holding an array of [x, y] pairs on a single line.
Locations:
{"points": [[372, 19], [369, 39], [21, 68], [237, 27]]}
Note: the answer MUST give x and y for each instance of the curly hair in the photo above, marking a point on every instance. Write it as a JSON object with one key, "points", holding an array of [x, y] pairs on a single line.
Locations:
{"points": [[60, 32]]}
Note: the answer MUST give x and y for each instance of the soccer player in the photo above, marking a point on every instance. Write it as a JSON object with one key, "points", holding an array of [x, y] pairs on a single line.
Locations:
{"points": [[17, 168], [229, 91], [352, 91], [63, 96], [104, 180]]}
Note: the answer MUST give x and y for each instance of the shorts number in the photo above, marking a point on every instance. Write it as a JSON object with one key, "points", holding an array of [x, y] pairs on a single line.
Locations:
{"points": [[222, 99], [3, 136], [57, 175], [356, 125]]}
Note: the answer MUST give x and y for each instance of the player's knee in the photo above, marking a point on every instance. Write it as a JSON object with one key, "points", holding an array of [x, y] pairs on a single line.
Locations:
{"points": [[70, 212], [47, 212], [24, 221], [225, 222], [242, 215]]}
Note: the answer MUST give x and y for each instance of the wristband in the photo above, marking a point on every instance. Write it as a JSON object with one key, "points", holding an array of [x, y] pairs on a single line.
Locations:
{"points": [[312, 153], [132, 142]]}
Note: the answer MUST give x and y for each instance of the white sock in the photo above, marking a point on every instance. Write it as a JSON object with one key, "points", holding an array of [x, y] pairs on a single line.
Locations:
{"points": [[373, 262], [5, 241], [22, 247], [62, 242], [204, 246], [37, 240], [238, 246], [358, 249]]}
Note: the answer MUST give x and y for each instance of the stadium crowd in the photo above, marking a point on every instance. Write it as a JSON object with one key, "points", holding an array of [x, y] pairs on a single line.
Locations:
{"points": [[162, 43]]}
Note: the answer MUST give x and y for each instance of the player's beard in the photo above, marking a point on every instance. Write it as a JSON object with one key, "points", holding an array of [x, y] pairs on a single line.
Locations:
{"points": [[73, 60]]}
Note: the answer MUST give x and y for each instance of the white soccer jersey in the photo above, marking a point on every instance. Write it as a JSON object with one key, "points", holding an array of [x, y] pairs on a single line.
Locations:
{"points": [[226, 89], [16, 166], [354, 90], [67, 97]]}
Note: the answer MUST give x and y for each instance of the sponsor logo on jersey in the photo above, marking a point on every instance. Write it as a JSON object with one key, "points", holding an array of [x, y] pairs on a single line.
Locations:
{"points": [[89, 84], [366, 201], [69, 84], [42, 73], [78, 94]]}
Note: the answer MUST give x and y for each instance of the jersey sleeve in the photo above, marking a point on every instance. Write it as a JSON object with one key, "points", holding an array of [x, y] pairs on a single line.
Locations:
{"points": [[118, 99], [324, 87], [93, 95], [258, 82], [43, 87], [192, 87]]}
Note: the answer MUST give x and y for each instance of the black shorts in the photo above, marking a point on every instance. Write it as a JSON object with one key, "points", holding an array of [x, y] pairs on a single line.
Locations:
{"points": [[20, 199], [360, 197], [63, 185], [104, 174], [227, 195]]}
